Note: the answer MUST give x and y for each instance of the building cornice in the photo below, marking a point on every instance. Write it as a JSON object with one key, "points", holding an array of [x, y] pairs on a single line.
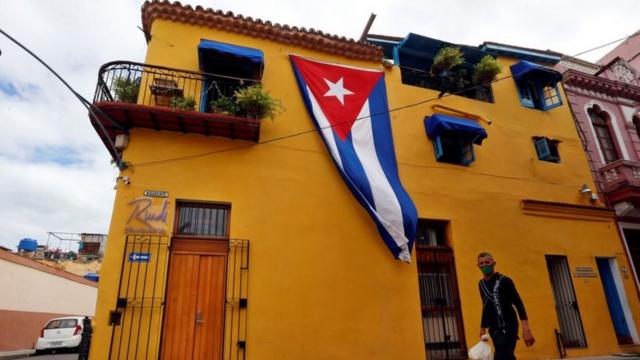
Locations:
{"points": [[245, 25], [567, 210], [602, 85]]}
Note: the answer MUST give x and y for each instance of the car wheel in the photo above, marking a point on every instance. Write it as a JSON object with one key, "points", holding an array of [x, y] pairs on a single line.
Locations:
{"points": [[40, 352]]}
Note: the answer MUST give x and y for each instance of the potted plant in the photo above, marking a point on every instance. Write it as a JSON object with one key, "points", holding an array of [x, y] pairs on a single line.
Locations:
{"points": [[184, 103], [256, 103], [446, 59], [447, 74], [484, 73], [225, 105], [126, 89]]}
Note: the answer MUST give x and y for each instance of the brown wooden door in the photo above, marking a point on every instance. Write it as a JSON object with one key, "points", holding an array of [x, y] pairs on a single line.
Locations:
{"points": [[194, 316]]}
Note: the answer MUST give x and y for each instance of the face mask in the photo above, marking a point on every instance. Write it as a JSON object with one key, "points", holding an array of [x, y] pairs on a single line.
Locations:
{"points": [[486, 270]]}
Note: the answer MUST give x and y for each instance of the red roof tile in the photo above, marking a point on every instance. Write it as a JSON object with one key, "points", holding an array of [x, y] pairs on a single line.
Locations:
{"points": [[245, 25]]}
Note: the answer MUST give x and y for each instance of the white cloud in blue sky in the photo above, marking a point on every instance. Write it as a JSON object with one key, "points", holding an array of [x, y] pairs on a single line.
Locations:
{"points": [[55, 174]]}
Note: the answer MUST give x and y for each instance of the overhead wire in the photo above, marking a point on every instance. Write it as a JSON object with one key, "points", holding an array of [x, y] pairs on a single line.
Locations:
{"points": [[86, 103], [320, 128]]}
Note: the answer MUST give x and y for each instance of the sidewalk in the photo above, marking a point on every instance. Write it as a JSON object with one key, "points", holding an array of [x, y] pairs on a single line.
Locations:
{"points": [[4, 355]]}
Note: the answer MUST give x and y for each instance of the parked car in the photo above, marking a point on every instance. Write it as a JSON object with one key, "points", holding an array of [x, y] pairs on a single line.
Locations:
{"points": [[59, 334]]}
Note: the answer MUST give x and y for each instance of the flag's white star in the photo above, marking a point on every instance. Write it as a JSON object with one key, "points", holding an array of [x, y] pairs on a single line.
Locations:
{"points": [[337, 89]]}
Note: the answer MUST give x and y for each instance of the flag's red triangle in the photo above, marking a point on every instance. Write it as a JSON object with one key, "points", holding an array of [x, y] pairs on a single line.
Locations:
{"points": [[340, 91]]}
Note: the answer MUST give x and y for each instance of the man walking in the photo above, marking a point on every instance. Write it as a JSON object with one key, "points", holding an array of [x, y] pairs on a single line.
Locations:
{"points": [[499, 297]]}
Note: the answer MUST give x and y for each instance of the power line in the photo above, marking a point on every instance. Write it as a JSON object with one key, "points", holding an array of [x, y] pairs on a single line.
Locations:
{"points": [[86, 103], [296, 134]]}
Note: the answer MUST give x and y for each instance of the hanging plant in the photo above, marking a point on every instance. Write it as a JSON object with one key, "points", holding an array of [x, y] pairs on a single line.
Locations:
{"points": [[256, 103], [186, 103], [126, 89], [485, 71], [446, 59]]}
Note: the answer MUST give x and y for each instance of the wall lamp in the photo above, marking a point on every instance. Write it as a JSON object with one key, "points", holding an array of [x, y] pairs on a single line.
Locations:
{"points": [[588, 193]]}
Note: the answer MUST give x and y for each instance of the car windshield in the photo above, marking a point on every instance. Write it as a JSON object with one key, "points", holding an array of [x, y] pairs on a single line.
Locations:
{"points": [[62, 323]]}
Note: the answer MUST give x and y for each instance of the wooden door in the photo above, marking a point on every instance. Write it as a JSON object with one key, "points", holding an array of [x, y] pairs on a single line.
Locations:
{"points": [[194, 315]]}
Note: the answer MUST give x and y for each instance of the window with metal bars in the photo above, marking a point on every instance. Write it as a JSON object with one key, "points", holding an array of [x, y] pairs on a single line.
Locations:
{"points": [[600, 122], [210, 220]]}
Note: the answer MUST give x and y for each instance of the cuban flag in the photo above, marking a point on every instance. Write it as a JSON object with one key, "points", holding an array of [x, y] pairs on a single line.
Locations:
{"points": [[349, 107]]}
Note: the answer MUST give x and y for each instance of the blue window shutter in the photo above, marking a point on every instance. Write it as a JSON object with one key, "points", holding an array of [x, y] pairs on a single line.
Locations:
{"points": [[467, 153], [525, 93], [542, 148], [437, 147]]}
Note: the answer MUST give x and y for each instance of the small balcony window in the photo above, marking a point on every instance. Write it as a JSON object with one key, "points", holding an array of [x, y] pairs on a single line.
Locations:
{"points": [[453, 138], [547, 149], [537, 85]]}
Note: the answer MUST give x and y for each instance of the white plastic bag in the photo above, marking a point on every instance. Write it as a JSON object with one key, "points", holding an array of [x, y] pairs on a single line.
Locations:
{"points": [[481, 350]]}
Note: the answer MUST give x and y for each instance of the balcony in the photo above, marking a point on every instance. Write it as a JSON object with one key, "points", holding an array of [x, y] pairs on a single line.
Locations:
{"points": [[620, 181], [131, 95]]}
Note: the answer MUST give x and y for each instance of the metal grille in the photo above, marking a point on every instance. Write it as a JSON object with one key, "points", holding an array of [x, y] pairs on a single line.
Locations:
{"points": [[137, 319], [138, 311], [571, 330], [204, 221], [440, 302], [145, 84], [235, 332]]}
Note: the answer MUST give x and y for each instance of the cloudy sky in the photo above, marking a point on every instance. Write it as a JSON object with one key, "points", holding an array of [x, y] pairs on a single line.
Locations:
{"points": [[55, 174]]}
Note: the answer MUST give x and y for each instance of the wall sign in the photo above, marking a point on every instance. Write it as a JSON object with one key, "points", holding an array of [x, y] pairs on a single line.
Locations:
{"points": [[148, 216], [585, 272], [156, 193], [139, 257]]}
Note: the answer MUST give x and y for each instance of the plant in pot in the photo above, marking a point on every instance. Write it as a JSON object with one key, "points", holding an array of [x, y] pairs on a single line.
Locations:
{"points": [[225, 105], [256, 103], [126, 89], [448, 76], [184, 103], [484, 73]]}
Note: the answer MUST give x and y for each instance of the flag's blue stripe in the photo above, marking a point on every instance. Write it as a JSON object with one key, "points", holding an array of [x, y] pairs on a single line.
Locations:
{"points": [[383, 140], [358, 193], [353, 167]]}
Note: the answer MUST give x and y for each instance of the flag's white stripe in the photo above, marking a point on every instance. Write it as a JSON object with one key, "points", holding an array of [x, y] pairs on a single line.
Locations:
{"points": [[325, 126], [387, 206]]}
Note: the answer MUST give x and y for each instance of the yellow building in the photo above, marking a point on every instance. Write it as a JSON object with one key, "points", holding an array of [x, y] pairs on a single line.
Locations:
{"points": [[237, 238]]}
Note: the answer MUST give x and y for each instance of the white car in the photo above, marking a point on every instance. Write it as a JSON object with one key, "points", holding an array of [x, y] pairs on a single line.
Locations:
{"points": [[60, 333]]}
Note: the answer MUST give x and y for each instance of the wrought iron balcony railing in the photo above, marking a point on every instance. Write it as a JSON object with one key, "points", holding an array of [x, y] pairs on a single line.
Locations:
{"points": [[157, 97]]}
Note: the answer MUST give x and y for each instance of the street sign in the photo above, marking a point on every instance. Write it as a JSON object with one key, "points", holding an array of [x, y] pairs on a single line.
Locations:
{"points": [[156, 193], [139, 257]]}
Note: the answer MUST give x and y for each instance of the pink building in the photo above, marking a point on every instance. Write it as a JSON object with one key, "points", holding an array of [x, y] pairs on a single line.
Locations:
{"points": [[605, 100]]}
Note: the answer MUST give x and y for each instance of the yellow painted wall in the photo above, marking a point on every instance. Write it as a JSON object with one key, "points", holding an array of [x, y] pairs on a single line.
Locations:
{"points": [[322, 285]]}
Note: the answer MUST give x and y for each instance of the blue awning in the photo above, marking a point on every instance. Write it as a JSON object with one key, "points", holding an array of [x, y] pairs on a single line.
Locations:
{"points": [[253, 55], [234, 60], [436, 124], [525, 70]]}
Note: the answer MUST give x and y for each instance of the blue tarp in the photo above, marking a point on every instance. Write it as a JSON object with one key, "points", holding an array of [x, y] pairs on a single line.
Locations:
{"points": [[439, 123], [525, 70]]}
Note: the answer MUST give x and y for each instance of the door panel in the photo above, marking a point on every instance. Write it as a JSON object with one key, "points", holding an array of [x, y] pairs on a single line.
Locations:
{"points": [[194, 316], [210, 308], [614, 302], [182, 292]]}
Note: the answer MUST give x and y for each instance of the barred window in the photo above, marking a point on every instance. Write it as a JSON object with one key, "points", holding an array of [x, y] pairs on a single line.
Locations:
{"points": [[203, 220]]}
